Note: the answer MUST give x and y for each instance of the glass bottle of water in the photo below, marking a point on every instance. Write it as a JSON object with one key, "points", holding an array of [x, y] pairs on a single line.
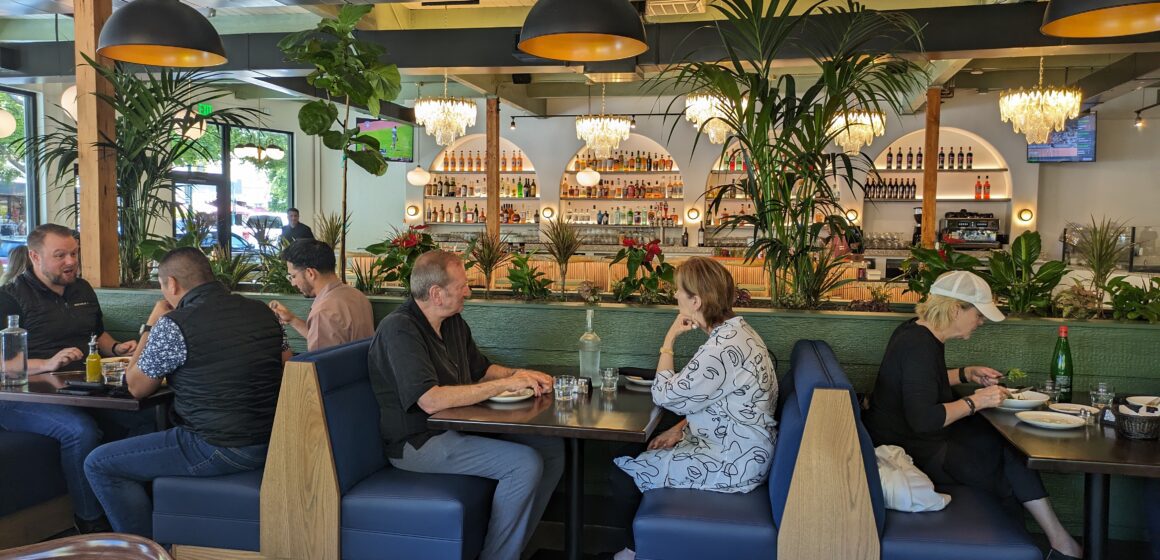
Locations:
{"points": [[589, 350], [14, 349]]}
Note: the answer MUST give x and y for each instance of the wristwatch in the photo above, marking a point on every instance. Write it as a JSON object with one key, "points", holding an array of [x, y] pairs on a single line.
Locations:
{"points": [[145, 327], [962, 375]]}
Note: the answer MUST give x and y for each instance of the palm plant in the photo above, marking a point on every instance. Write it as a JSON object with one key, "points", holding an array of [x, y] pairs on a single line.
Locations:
{"points": [[154, 110], [329, 228], [489, 252], [1100, 249], [817, 276], [231, 269], [783, 130], [563, 241]]}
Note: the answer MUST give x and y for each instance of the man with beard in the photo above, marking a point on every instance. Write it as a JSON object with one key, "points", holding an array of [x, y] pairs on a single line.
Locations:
{"points": [[60, 312]]}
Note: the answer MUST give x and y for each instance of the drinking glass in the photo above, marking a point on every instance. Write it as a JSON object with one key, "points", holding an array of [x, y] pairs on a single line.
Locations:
{"points": [[1050, 389], [565, 388], [1102, 394], [114, 372], [608, 378]]}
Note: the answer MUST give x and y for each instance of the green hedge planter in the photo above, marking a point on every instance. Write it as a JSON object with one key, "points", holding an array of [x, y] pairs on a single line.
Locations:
{"points": [[518, 333]]}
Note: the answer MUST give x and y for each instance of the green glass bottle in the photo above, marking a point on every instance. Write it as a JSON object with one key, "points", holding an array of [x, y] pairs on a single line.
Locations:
{"points": [[1062, 368]]}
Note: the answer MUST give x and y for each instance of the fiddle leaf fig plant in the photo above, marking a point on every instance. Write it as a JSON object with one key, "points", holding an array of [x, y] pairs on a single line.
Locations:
{"points": [[350, 70], [1015, 280]]}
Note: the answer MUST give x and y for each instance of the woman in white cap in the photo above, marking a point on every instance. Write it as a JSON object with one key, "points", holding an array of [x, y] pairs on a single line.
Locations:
{"points": [[914, 407]]}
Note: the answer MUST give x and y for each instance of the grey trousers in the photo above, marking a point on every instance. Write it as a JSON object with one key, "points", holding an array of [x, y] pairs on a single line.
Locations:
{"points": [[526, 470]]}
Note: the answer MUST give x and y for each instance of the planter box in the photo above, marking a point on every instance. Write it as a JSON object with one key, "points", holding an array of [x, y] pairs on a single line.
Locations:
{"points": [[519, 333]]}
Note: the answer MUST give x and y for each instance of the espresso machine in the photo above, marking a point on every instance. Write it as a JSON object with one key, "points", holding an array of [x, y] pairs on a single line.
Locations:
{"points": [[916, 239], [970, 230]]}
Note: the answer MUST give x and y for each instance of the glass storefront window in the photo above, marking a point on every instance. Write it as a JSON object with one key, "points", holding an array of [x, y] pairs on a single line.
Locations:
{"points": [[17, 184]]}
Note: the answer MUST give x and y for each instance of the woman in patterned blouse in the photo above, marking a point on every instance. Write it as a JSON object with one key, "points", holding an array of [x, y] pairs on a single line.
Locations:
{"points": [[727, 394]]}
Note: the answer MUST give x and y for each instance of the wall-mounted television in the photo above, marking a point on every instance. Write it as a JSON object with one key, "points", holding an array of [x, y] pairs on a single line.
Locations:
{"points": [[396, 138], [1077, 142]]}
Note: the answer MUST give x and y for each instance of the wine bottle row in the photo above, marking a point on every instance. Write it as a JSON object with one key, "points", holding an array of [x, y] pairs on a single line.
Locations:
{"points": [[891, 189], [476, 161], [619, 189], [946, 161], [508, 188], [621, 161], [463, 214], [659, 214]]}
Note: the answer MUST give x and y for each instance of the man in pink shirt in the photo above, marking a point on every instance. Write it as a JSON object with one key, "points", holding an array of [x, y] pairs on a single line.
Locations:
{"points": [[339, 314]]}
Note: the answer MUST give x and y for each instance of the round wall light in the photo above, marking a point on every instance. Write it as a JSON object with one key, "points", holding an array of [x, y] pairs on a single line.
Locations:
{"points": [[412, 211], [1025, 215], [693, 214], [852, 215], [548, 213]]}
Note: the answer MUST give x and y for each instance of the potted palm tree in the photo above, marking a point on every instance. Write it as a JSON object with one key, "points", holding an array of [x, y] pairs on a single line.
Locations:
{"points": [[782, 128], [563, 241]]}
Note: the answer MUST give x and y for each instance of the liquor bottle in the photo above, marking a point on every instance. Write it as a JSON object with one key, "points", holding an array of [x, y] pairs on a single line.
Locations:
{"points": [[889, 159], [462, 162], [536, 217], [987, 188], [701, 236], [961, 158], [970, 157], [458, 213], [684, 237], [445, 164], [978, 188], [918, 159], [14, 349], [503, 163], [519, 188], [910, 158], [942, 158], [93, 363], [478, 162], [1062, 368]]}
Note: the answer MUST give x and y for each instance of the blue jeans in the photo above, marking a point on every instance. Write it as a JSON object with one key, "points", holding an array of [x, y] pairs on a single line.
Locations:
{"points": [[119, 470], [78, 435]]}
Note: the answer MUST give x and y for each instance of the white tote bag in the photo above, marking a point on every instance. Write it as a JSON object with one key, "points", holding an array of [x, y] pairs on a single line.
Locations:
{"points": [[904, 486]]}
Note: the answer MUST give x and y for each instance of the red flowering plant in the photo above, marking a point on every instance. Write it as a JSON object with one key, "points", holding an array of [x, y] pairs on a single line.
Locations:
{"points": [[397, 254], [649, 277]]}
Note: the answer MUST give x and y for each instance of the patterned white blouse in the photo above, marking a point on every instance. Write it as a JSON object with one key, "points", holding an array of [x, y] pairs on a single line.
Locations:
{"points": [[728, 393]]}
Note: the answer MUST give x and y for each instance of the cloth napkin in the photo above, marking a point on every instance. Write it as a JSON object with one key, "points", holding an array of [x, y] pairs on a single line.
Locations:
{"points": [[1143, 411], [904, 487]]}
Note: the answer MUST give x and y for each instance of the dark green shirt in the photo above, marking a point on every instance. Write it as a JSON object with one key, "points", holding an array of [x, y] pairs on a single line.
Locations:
{"points": [[54, 322]]}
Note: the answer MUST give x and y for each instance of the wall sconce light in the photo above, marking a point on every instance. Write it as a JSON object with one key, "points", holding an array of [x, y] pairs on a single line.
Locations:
{"points": [[412, 211], [693, 214], [548, 213], [512, 126], [1025, 215], [852, 215]]}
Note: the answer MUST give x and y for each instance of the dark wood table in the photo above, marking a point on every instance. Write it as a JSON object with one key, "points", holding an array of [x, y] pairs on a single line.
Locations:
{"points": [[42, 388], [1093, 450], [626, 415]]}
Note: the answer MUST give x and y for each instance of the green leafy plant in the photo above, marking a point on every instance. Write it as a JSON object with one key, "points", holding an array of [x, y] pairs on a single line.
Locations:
{"points": [[1131, 302], [815, 277], [1099, 249], [154, 109], [231, 269], [588, 291], [273, 274], [1078, 302], [197, 230], [879, 301], [782, 129], [526, 281], [351, 70], [1016, 281], [924, 266], [329, 228], [651, 282], [489, 252], [369, 278], [398, 254], [563, 241]]}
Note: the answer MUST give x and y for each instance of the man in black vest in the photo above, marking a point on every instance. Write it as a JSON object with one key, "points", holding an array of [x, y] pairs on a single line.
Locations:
{"points": [[222, 354]]}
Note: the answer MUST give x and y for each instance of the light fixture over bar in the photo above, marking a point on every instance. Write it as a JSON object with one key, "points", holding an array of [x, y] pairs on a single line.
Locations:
{"points": [[1100, 18], [588, 31], [161, 33]]}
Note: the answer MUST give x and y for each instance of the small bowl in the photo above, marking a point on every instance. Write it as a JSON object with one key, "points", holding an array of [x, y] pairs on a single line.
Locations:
{"points": [[1137, 427], [1029, 400]]}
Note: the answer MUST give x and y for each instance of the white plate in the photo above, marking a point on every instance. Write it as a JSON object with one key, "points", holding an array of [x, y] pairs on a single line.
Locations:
{"points": [[512, 396], [1030, 400], [1140, 401], [1050, 420], [1008, 409], [1072, 408], [638, 388], [639, 380]]}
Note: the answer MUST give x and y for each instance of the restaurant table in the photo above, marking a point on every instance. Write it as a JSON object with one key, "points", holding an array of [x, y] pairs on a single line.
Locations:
{"points": [[627, 415], [42, 388], [1094, 450]]}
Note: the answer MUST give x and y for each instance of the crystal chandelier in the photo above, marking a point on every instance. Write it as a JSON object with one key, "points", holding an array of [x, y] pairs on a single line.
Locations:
{"points": [[854, 129], [707, 112], [1038, 111], [445, 118], [603, 133]]}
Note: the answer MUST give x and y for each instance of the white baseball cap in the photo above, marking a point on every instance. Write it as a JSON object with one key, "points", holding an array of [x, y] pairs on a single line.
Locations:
{"points": [[968, 287]]}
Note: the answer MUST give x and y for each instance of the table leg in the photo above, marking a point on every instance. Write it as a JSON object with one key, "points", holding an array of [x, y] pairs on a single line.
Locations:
{"points": [[1095, 517], [161, 416], [574, 486]]}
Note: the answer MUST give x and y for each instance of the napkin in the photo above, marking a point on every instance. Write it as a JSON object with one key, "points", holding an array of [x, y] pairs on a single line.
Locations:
{"points": [[643, 373], [1144, 411]]}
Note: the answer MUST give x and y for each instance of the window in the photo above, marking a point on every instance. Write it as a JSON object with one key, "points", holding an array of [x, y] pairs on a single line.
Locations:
{"points": [[17, 184]]}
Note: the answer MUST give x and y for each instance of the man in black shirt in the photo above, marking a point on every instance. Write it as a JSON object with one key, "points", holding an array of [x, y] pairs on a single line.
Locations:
{"points": [[423, 360], [60, 312], [222, 354], [295, 230]]}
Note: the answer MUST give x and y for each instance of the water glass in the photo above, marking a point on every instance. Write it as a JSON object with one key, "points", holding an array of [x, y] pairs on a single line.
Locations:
{"points": [[1051, 389], [1102, 394], [114, 372], [609, 377], [565, 388]]}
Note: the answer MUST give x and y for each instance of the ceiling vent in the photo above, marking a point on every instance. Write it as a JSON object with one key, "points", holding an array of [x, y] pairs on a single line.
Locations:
{"points": [[674, 7]]}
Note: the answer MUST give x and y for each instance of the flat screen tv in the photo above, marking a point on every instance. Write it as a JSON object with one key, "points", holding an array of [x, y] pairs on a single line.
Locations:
{"points": [[1077, 142], [396, 138]]}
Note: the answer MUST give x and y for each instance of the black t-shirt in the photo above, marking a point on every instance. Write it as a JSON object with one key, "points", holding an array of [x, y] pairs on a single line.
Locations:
{"points": [[300, 231], [54, 322], [906, 406], [407, 359]]}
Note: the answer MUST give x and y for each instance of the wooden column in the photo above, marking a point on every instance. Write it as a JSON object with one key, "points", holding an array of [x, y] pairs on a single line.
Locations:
{"points": [[930, 167], [96, 122], [493, 166]]}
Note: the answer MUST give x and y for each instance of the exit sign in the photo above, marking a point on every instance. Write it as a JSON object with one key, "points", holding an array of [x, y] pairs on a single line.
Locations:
{"points": [[204, 109]]}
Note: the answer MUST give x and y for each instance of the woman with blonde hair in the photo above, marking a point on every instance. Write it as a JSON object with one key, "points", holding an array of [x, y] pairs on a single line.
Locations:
{"points": [[727, 393], [17, 264], [914, 407]]}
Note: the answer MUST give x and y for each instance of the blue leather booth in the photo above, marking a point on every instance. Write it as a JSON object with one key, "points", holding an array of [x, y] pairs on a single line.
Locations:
{"points": [[34, 501], [674, 524]]}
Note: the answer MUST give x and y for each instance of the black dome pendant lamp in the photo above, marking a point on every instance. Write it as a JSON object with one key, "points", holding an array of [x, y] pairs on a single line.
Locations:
{"points": [[1100, 18], [589, 31], [161, 33]]}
